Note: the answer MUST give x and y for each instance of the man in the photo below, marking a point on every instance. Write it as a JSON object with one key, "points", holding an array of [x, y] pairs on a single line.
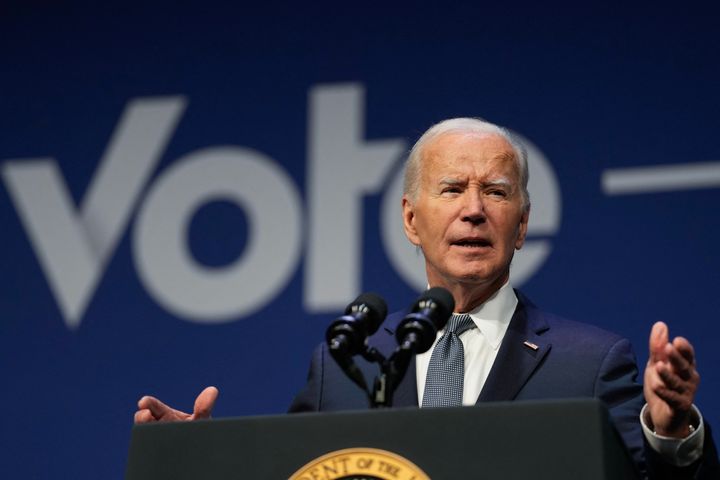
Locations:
{"points": [[466, 206]]}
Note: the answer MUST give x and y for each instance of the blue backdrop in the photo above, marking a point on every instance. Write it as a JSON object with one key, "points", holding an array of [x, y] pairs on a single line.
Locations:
{"points": [[191, 191]]}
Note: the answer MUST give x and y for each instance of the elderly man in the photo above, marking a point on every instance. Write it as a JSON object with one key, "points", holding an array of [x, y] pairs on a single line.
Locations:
{"points": [[466, 206]]}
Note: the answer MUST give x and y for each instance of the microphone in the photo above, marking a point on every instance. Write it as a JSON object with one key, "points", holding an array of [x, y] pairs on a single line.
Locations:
{"points": [[417, 331], [346, 336]]}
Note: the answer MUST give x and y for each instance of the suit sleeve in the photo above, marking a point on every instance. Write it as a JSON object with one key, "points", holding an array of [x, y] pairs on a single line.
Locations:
{"points": [[617, 386], [328, 388], [308, 399]]}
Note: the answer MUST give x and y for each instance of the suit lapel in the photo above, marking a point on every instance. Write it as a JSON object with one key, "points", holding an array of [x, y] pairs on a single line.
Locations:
{"points": [[521, 351]]}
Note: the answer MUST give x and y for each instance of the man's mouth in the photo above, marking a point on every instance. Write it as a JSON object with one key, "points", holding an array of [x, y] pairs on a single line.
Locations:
{"points": [[472, 242]]}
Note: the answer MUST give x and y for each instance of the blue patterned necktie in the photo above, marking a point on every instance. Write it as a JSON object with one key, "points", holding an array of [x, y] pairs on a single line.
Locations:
{"points": [[444, 381]]}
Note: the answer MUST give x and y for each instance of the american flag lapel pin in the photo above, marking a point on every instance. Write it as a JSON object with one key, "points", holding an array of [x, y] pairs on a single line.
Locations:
{"points": [[530, 345]]}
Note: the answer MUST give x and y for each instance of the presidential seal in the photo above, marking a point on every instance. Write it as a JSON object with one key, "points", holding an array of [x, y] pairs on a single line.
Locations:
{"points": [[360, 464]]}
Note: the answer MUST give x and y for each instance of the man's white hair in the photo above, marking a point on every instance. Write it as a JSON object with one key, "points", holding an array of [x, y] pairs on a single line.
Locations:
{"points": [[413, 164]]}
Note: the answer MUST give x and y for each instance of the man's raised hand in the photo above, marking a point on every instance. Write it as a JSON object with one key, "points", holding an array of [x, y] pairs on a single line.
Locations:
{"points": [[150, 409], [670, 383]]}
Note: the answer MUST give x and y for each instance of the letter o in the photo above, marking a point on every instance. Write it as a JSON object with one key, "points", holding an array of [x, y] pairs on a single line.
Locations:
{"points": [[162, 257]]}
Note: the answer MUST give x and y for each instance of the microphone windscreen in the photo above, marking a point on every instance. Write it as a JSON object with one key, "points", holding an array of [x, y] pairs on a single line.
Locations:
{"points": [[374, 308], [444, 304]]}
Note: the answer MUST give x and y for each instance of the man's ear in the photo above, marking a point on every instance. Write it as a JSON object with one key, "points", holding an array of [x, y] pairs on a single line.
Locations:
{"points": [[408, 213], [522, 229]]}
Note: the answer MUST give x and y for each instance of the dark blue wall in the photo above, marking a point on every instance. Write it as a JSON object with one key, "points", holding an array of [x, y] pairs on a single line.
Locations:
{"points": [[594, 88]]}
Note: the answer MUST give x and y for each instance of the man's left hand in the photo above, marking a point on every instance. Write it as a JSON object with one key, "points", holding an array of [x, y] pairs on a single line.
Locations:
{"points": [[670, 383]]}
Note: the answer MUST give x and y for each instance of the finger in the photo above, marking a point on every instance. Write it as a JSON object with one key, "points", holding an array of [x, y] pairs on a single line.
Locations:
{"points": [[678, 402], [144, 416], [674, 388], [671, 380], [661, 385], [205, 403], [685, 348], [157, 408], [658, 340], [680, 364]]}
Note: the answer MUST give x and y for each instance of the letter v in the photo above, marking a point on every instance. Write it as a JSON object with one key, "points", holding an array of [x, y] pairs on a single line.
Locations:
{"points": [[74, 247]]}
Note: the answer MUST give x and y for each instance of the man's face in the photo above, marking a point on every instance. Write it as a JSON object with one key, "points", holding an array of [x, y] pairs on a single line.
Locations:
{"points": [[468, 216]]}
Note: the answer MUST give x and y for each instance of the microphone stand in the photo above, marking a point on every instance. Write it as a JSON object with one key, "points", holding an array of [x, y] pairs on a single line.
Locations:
{"points": [[392, 371]]}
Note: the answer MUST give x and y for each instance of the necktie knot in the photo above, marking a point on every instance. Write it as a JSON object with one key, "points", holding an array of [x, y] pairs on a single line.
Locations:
{"points": [[459, 323]]}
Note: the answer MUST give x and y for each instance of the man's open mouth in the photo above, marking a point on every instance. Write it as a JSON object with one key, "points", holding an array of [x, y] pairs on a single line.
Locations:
{"points": [[472, 242]]}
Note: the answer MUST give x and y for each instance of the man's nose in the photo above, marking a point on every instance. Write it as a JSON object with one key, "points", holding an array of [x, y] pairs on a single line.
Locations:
{"points": [[473, 210]]}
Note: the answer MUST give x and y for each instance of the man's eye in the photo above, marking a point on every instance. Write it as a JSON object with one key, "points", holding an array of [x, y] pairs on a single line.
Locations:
{"points": [[451, 190], [497, 193]]}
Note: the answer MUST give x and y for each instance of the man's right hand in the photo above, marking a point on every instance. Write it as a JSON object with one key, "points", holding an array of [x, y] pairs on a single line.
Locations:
{"points": [[150, 409]]}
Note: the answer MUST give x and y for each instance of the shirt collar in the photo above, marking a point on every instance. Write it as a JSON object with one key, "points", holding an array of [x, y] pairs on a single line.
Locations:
{"points": [[493, 316]]}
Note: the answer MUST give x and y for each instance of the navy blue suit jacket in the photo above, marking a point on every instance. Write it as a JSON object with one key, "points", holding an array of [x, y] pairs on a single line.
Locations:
{"points": [[573, 360]]}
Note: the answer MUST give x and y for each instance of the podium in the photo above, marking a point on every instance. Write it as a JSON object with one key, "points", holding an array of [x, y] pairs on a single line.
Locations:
{"points": [[557, 440]]}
